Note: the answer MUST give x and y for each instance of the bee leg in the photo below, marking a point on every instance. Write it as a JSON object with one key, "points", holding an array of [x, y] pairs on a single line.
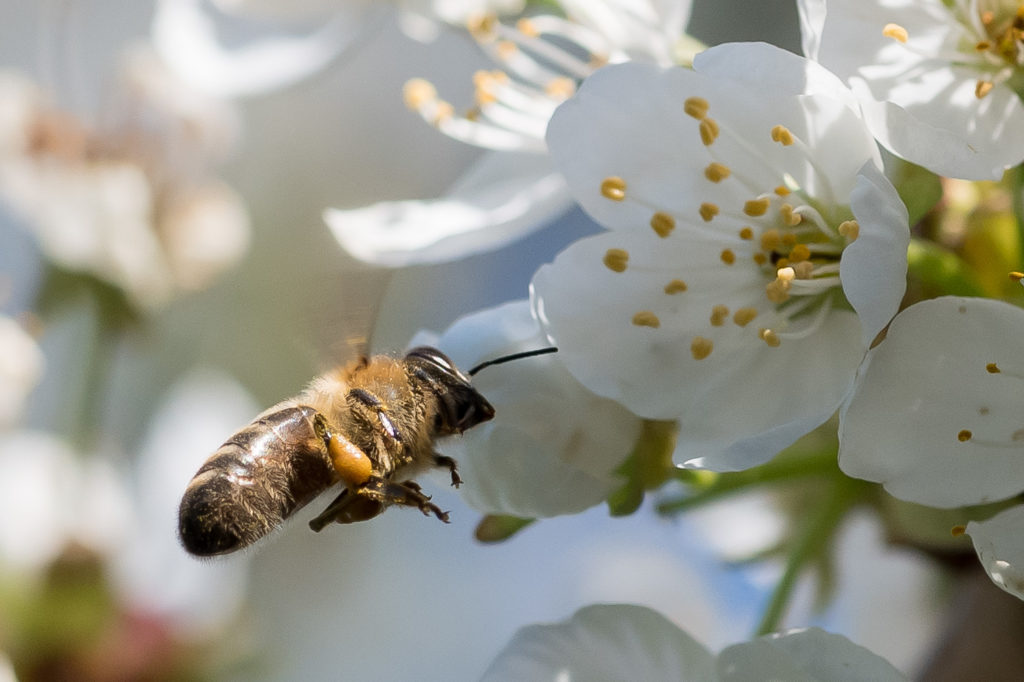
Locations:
{"points": [[348, 507], [407, 494], [453, 466]]}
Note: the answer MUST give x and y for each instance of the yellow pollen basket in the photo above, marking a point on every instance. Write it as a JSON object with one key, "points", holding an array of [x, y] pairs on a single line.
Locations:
{"points": [[613, 188], [616, 260]]}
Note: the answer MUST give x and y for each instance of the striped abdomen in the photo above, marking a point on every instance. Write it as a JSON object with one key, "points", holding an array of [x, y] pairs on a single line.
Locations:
{"points": [[258, 478]]}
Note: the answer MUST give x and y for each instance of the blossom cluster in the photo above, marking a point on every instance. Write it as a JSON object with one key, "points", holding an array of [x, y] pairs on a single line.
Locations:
{"points": [[786, 254]]}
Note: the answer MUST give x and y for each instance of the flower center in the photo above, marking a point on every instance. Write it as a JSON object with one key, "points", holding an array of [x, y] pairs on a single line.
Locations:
{"points": [[993, 40], [777, 241]]}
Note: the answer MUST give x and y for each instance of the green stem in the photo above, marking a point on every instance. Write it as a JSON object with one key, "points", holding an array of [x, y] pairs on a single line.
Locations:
{"points": [[809, 544], [780, 469], [1017, 194]]}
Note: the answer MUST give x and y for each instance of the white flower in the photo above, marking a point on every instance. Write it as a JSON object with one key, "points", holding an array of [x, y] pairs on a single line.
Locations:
{"points": [[513, 189], [52, 497], [937, 417], [936, 78], [626, 642], [21, 365], [998, 543], [132, 199], [553, 446], [748, 215]]}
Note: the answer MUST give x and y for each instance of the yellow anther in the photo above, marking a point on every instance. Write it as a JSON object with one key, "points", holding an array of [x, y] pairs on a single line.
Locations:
{"points": [[957, 531], [849, 229], [804, 269], [417, 92], [747, 233], [708, 211], [782, 190], [744, 316], [770, 240], [719, 314], [769, 337], [728, 256], [992, 368], [757, 207], [506, 49], [782, 263], [528, 28], [613, 188], [616, 259], [800, 252], [700, 347], [481, 25], [708, 131], [663, 224], [896, 32], [781, 134], [645, 318], [786, 274], [560, 87], [789, 215], [676, 286], [760, 258], [964, 435], [982, 46], [982, 88], [777, 291], [789, 239], [442, 112], [716, 172], [696, 107], [1017, 276]]}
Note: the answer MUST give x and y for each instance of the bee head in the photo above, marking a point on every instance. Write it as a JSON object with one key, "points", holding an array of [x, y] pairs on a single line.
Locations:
{"points": [[460, 405]]}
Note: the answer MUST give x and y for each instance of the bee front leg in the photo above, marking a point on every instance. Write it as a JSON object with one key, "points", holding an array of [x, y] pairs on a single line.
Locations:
{"points": [[453, 466]]}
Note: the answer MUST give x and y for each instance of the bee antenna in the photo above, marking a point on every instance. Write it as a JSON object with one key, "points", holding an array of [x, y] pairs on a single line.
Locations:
{"points": [[513, 356]]}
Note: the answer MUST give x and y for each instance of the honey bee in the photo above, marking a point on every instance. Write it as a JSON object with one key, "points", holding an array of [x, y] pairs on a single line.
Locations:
{"points": [[369, 425]]}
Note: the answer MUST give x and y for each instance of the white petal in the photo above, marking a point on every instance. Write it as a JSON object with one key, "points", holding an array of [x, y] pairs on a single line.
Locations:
{"points": [[810, 655], [610, 642], [501, 198], [185, 37], [552, 446], [918, 104], [1000, 548], [21, 365], [873, 269], [925, 384]]}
